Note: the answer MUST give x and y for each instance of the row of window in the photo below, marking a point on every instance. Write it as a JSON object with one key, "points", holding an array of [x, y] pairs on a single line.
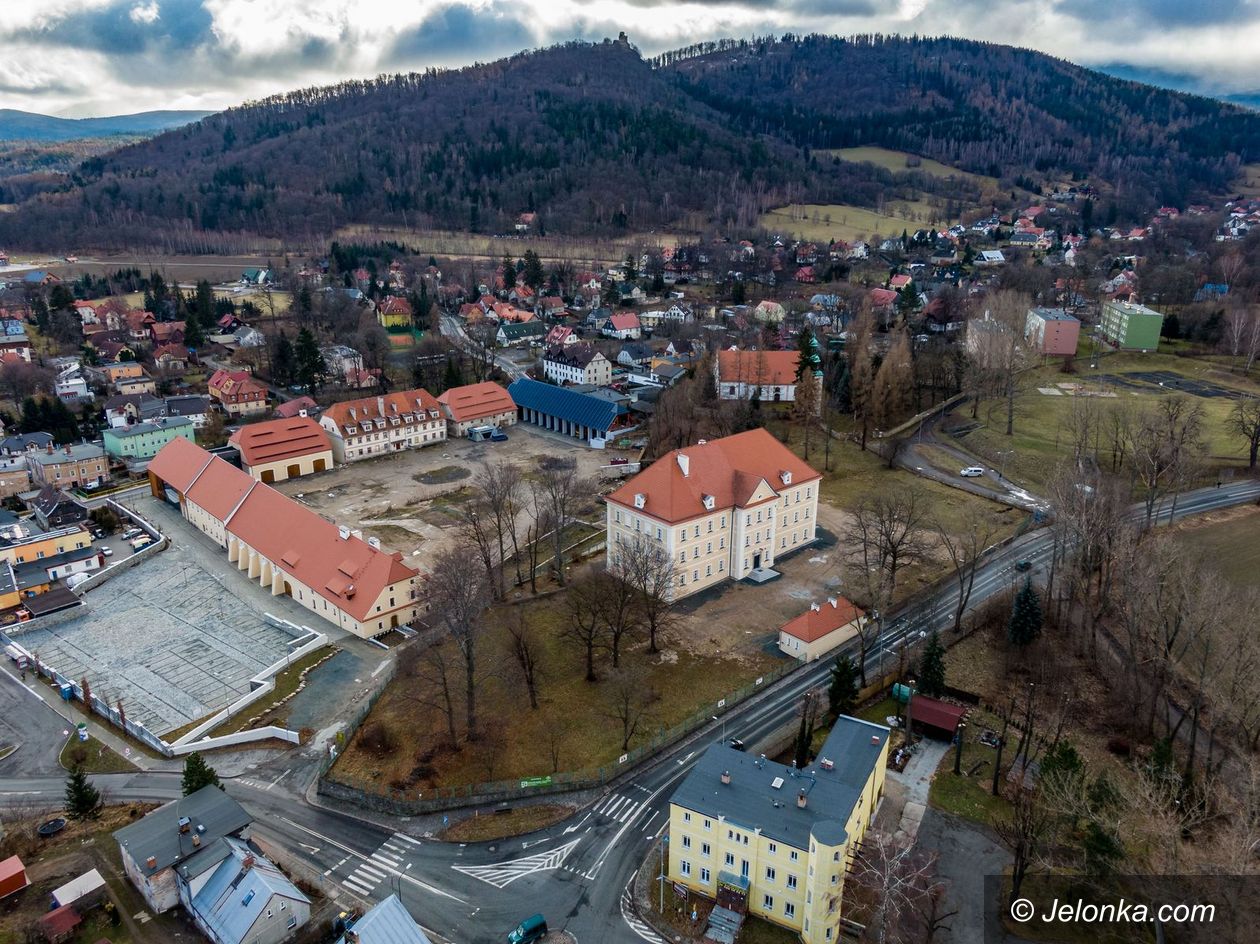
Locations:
{"points": [[695, 574], [767, 900]]}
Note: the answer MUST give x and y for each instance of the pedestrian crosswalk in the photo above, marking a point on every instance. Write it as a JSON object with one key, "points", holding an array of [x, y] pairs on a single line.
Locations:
{"points": [[388, 860], [618, 808]]}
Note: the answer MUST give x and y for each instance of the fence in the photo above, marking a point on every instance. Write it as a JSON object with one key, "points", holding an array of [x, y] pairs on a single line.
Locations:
{"points": [[398, 802]]}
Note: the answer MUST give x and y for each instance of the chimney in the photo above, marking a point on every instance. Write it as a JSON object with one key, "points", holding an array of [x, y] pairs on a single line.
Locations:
{"points": [[248, 862], [343, 532], [835, 605], [684, 463], [814, 607], [151, 862], [874, 738], [801, 800], [374, 543], [67, 449], [354, 414], [380, 405], [185, 824], [50, 449], [726, 777], [196, 841]]}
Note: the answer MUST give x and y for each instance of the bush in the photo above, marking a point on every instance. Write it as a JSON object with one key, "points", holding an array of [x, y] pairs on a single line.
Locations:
{"points": [[1119, 746], [378, 739]]}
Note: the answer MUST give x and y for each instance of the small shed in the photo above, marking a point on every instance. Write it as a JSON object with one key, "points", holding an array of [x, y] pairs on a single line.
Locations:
{"points": [[86, 891], [934, 717], [12, 876], [59, 924]]}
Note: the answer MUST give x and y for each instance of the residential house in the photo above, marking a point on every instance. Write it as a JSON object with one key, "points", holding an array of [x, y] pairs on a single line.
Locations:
{"points": [[154, 846], [479, 404], [768, 312], [13, 339], [170, 358], [561, 335], [125, 409], [167, 332], [512, 333], [110, 374], [133, 385], [56, 508], [275, 450], [820, 629], [577, 364], [1052, 331], [256, 276], [394, 313], [238, 393], [138, 322], [1130, 326], [774, 842], [248, 337], [298, 406], [15, 476], [768, 375], [375, 426], [635, 354], [624, 326], [721, 509], [71, 385], [287, 547], [82, 464], [341, 361], [20, 444], [235, 895], [144, 440], [34, 546], [387, 922], [581, 413], [550, 306], [192, 407], [989, 258]]}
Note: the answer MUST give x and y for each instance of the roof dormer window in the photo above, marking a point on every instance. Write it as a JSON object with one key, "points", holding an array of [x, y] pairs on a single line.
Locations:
{"points": [[785, 477], [708, 502], [640, 500]]}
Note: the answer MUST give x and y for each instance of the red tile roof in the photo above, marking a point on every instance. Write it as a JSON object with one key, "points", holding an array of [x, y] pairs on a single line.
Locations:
{"points": [[474, 401], [179, 462], [387, 405], [395, 305], [729, 470], [219, 489], [882, 296], [276, 440], [624, 322], [813, 624], [758, 367], [296, 406], [935, 713]]}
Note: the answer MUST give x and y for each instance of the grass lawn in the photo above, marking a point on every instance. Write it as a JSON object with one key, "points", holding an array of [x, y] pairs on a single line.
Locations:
{"points": [[287, 682], [94, 757], [1040, 441], [895, 161], [1248, 182], [824, 222], [965, 796], [515, 822], [574, 716], [1228, 539]]}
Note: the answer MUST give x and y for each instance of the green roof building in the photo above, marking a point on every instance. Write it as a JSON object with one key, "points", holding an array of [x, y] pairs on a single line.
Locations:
{"points": [[1130, 326], [144, 440]]}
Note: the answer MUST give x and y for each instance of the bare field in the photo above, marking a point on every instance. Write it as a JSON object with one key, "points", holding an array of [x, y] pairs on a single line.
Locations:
{"points": [[895, 161], [1228, 539], [471, 245], [823, 222]]}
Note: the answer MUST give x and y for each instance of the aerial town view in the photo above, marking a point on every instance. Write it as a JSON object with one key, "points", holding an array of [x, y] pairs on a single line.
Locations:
{"points": [[635, 472]]}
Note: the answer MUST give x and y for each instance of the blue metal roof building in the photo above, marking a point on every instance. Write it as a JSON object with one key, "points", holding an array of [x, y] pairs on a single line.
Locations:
{"points": [[245, 897], [568, 412], [387, 923]]}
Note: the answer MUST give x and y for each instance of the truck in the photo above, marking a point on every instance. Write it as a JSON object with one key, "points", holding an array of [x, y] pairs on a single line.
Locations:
{"points": [[480, 433]]}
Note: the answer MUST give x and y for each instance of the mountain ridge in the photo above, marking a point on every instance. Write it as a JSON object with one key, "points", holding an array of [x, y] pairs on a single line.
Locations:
{"points": [[16, 125]]}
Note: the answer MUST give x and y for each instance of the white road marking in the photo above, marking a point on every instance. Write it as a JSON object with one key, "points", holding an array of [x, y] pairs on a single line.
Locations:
{"points": [[406, 838], [502, 874]]}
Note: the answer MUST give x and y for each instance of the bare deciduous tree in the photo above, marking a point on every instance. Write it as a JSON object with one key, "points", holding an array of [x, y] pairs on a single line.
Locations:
{"points": [[1023, 831], [964, 550], [458, 594], [1244, 422], [902, 888], [630, 698], [560, 488], [646, 566], [501, 484], [584, 605], [525, 652]]}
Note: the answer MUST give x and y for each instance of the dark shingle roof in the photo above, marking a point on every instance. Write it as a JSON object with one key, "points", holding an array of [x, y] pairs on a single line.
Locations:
{"points": [[158, 834], [749, 800], [581, 408]]}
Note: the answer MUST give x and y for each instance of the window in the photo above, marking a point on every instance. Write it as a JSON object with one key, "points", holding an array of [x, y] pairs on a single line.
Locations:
{"points": [[789, 910], [705, 849], [794, 855], [685, 867], [835, 878], [708, 824], [292, 922], [721, 567], [686, 817], [705, 876], [791, 881], [772, 848], [730, 858], [708, 548], [730, 834], [835, 856], [682, 557], [697, 532], [695, 575], [743, 868], [767, 902], [769, 874], [686, 841], [829, 934], [708, 570], [695, 553], [721, 544]]}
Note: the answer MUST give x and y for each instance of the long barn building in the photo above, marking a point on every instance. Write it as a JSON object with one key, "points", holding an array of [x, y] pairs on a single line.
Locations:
{"points": [[285, 546]]}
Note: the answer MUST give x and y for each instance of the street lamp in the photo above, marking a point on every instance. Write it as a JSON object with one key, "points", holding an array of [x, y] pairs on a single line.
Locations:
{"points": [[723, 720], [1002, 463], [958, 741], [399, 878]]}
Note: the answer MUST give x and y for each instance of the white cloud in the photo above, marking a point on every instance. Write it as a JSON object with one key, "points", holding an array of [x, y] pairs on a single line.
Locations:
{"points": [[144, 13], [134, 54]]}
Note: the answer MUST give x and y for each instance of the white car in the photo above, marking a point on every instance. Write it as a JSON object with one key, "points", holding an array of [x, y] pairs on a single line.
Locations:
{"points": [[972, 472]]}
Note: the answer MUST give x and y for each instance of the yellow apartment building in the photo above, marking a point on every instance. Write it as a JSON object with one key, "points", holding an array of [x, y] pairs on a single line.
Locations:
{"points": [[722, 508], [767, 840]]}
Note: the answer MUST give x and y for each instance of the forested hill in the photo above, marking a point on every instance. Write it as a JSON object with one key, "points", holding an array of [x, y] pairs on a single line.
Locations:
{"points": [[596, 139], [28, 126]]}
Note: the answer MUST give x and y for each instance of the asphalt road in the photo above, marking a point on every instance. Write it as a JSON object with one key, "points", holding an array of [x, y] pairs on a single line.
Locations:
{"points": [[576, 872]]}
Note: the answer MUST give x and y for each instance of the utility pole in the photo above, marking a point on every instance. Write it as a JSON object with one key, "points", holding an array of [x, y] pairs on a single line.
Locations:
{"points": [[958, 742]]}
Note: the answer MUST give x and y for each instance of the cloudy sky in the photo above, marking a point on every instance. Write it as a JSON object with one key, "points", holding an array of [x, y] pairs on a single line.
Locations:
{"points": [[102, 57]]}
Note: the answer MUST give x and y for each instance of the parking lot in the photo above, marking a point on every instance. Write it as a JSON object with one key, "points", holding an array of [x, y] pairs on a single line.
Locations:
{"points": [[177, 637], [1152, 381], [411, 500]]}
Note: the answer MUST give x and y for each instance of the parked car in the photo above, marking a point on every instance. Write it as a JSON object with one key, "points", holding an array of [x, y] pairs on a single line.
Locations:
{"points": [[529, 930], [498, 436], [971, 472], [737, 744], [107, 551], [1024, 566]]}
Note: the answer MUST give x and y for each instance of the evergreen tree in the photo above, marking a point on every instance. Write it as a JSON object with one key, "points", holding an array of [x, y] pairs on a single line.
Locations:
{"points": [[805, 734], [39, 308], [908, 300], [509, 274], [283, 360], [60, 298], [452, 376], [203, 305], [533, 269], [842, 686], [83, 801], [1025, 625], [198, 774], [194, 336], [932, 667], [840, 393], [807, 353], [308, 362], [739, 293]]}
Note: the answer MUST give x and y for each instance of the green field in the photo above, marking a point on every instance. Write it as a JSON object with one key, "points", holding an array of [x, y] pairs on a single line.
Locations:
{"points": [[1229, 541], [895, 161], [823, 222], [1040, 441], [1248, 183]]}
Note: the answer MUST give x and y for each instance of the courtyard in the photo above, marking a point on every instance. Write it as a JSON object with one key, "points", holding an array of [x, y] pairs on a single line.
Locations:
{"points": [[175, 638]]}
